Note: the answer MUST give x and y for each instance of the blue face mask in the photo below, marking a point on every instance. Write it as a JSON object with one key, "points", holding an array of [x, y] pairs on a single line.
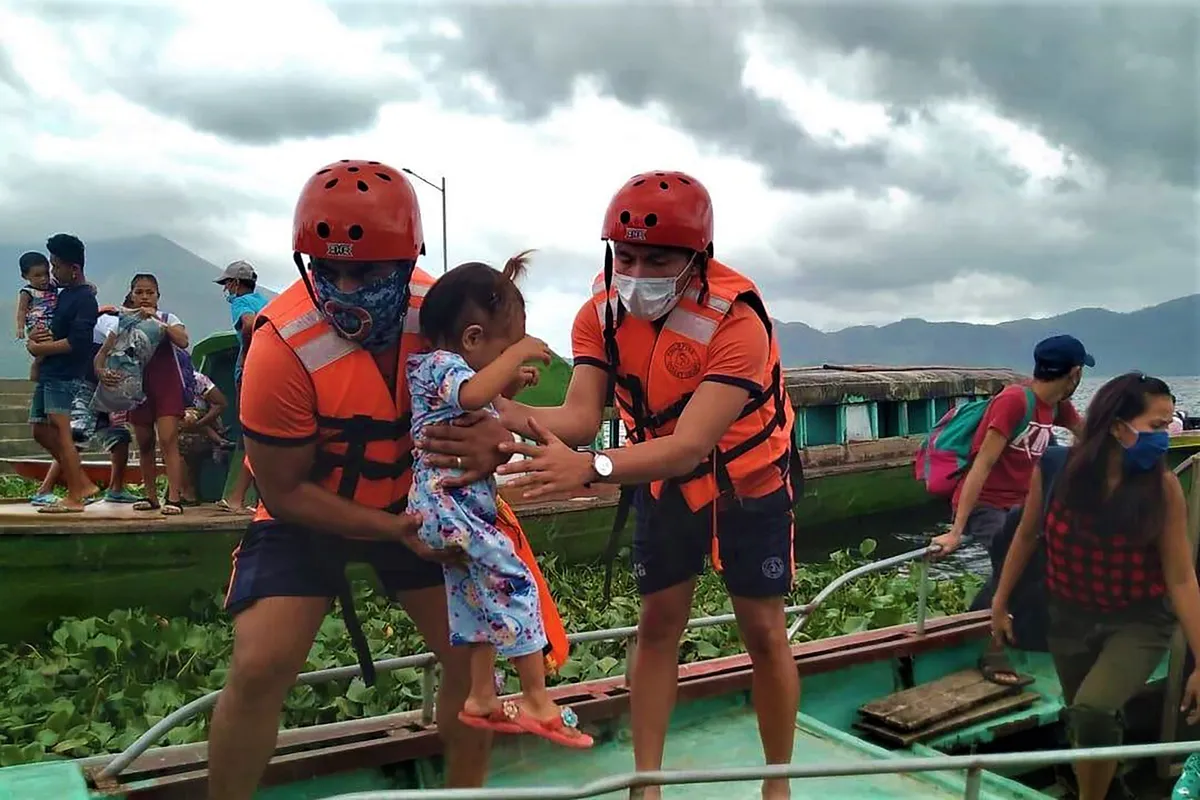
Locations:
{"points": [[229, 297], [372, 315], [1146, 453]]}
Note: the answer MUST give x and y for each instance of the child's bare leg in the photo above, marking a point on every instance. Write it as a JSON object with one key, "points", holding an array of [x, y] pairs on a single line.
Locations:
{"points": [[531, 669], [482, 700]]}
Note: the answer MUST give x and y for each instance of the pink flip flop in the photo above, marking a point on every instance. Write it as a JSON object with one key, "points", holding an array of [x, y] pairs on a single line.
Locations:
{"points": [[496, 721], [562, 730]]}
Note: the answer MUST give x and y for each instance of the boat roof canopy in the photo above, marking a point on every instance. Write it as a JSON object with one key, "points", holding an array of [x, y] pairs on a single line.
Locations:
{"points": [[833, 384]]}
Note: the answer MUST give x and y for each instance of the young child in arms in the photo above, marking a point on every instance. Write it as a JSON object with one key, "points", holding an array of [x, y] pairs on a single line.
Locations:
{"points": [[474, 319]]}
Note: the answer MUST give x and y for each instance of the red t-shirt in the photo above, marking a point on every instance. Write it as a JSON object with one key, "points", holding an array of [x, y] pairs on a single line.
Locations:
{"points": [[1008, 482]]}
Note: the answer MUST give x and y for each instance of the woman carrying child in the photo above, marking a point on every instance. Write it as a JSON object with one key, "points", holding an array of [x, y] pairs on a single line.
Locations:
{"points": [[474, 319], [1119, 571], [156, 420]]}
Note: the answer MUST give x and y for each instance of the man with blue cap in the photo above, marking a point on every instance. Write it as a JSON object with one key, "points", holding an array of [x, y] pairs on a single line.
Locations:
{"points": [[1012, 436]]}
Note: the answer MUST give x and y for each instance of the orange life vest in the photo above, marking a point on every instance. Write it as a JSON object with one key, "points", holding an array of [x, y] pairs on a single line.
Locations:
{"points": [[655, 369], [364, 445], [364, 448]]}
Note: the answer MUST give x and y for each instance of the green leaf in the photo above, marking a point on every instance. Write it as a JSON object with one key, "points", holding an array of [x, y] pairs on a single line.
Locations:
{"points": [[104, 641], [866, 547], [358, 691]]}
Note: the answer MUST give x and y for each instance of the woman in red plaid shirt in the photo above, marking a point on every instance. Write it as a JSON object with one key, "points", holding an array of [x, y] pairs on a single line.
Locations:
{"points": [[1119, 572]]}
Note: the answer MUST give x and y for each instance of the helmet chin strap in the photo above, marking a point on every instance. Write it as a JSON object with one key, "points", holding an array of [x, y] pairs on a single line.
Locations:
{"points": [[312, 294]]}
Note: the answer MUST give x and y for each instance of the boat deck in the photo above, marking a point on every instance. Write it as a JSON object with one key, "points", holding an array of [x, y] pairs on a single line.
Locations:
{"points": [[19, 517], [727, 738]]}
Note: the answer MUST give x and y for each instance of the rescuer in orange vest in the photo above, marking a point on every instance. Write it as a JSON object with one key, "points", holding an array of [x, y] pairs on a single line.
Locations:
{"points": [[687, 347], [325, 412]]}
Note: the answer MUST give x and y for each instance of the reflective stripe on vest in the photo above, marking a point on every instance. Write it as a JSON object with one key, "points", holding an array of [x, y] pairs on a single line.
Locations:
{"points": [[364, 450], [660, 369]]}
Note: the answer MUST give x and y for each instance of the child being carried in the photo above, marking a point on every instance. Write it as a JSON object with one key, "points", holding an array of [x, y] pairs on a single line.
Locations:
{"points": [[474, 318], [35, 300]]}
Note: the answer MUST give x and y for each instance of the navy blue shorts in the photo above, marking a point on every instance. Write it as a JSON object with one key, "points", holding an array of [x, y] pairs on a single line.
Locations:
{"points": [[277, 559], [671, 543]]}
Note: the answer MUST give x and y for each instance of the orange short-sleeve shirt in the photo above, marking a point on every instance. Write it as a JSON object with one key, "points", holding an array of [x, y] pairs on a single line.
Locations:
{"points": [[278, 403], [737, 354]]}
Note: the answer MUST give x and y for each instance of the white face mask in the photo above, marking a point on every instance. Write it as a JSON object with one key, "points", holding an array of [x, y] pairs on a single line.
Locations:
{"points": [[649, 298]]}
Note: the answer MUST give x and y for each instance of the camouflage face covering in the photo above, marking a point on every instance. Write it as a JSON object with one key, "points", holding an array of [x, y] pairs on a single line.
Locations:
{"points": [[372, 315]]}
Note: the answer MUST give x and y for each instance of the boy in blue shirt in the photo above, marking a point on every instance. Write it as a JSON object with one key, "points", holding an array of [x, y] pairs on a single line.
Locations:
{"points": [[240, 283], [65, 350]]}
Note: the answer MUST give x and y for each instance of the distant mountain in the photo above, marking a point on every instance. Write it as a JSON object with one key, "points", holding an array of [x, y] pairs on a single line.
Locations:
{"points": [[1162, 339], [186, 281]]}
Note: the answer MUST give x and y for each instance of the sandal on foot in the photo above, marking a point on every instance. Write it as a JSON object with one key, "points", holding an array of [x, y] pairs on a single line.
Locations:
{"points": [[43, 499], [171, 509], [994, 663], [496, 721], [58, 508], [146, 505], [225, 506], [562, 730]]}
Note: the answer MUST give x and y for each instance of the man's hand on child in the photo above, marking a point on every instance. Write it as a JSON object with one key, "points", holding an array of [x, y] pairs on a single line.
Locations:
{"points": [[408, 531]]}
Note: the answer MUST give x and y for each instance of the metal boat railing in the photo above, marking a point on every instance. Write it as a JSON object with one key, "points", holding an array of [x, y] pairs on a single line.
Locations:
{"points": [[427, 661], [974, 766]]}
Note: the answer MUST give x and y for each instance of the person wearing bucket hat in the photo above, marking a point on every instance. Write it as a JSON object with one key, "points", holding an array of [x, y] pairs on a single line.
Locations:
{"points": [[240, 282]]}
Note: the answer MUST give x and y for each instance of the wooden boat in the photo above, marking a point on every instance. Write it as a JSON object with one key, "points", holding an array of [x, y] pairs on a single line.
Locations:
{"points": [[879, 709], [857, 428]]}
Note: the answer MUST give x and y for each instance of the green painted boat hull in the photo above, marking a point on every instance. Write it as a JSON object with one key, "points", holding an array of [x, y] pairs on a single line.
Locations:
{"points": [[46, 577], [710, 733]]}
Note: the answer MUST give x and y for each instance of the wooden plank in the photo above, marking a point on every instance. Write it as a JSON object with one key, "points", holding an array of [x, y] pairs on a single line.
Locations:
{"points": [[925, 705], [973, 716]]}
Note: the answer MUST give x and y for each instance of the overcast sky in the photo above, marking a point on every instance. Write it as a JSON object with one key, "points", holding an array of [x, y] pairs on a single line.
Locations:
{"points": [[867, 162]]}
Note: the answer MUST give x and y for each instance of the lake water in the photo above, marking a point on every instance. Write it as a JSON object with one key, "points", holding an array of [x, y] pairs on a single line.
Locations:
{"points": [[909, 529]]}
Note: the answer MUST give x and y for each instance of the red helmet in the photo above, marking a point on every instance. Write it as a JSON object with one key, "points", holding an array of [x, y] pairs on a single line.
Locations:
{"points": [[358, 211], [669, 209]]}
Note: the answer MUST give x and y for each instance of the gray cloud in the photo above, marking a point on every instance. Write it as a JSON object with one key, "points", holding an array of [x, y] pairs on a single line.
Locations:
{"points": [[1119, 84], [687, 59], [260, 109]]}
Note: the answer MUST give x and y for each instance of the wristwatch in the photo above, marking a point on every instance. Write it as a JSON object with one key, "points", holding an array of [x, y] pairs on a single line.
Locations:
{"points": [[601, 465]]}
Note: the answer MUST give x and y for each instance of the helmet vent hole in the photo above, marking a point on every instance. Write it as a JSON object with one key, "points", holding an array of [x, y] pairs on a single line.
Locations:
{"points": [[344, 161], [383, 176], [625, 217], [323, 171], [684, 181], [639, 183], [660, 174], [355, 232], [351, 169], [663, 185], [331, 184], [373, 163], [323, 230], [362, 186], [651, 220]]}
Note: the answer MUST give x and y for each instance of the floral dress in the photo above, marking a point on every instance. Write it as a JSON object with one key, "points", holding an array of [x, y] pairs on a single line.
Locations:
{"points": [[494, 598], [41, 307]]}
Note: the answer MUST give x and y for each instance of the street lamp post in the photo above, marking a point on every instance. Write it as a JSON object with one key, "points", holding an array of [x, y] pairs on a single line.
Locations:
{"points": [[441, 187]]}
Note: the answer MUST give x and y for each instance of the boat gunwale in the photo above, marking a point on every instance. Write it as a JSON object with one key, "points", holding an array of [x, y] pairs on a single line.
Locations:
{"points": [[173, 771]]}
